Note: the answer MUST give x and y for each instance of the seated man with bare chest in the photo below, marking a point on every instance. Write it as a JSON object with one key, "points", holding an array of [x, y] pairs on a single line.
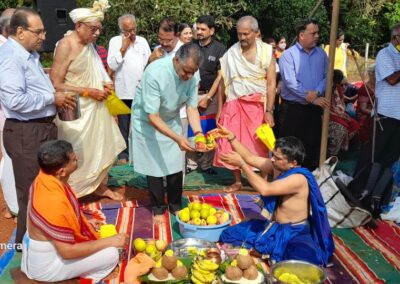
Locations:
{"points": [[296, 224]]}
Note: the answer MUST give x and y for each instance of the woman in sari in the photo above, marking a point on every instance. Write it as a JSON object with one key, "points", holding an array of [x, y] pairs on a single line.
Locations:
{"points": [[341, 126]]}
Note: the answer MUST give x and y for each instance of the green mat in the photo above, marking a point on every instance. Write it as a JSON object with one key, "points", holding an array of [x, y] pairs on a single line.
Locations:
{"points": [[15, 262], [196, 180]]}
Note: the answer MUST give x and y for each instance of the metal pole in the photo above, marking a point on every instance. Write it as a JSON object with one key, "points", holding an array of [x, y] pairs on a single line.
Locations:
{"points": [[329, 79]]}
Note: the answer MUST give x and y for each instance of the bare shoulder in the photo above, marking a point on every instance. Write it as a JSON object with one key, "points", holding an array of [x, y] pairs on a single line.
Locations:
{"points": [[298, 181]]}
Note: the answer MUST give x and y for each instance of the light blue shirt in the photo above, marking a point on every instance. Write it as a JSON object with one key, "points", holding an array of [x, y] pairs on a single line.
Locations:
{"points": [[160, 91], [302, 72], [26, 91], [388, 96]]}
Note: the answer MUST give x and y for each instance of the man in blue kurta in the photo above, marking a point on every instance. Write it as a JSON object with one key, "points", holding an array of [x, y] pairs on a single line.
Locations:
{"points": [[296, 224], [167, 85]]}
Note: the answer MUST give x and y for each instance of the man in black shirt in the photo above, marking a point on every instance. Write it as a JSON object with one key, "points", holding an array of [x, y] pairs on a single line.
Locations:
{"points": [[209, 73]]}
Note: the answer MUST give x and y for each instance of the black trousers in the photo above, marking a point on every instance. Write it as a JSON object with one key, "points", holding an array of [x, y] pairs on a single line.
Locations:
{"points": [[305, 123], [22, 141], [124, 122], [387, 144], [174, 192]]}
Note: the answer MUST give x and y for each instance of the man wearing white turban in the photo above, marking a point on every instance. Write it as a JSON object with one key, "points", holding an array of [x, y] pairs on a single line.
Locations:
{"points": [[95, 135]]}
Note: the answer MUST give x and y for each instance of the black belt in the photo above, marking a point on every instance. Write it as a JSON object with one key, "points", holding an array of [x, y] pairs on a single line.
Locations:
{"points": [[48, 119], [292, 102]]}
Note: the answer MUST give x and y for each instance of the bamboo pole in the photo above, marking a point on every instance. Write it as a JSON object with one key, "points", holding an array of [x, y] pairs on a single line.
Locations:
{"points": [[329, 80]]}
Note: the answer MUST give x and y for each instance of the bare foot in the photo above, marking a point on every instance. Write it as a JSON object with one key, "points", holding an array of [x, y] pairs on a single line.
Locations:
{"points": [[7, 213], [104, 191], [122, 162], [158, 219], [234, 187]]}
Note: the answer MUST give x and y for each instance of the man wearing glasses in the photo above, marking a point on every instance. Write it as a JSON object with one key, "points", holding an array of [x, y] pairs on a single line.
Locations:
{"points": [[303, 69], [128, 56], [28, 100], [95, 137], [168, 39]]}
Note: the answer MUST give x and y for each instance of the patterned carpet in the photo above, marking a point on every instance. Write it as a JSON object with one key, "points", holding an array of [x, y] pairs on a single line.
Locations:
{"points": [[362, 255]]}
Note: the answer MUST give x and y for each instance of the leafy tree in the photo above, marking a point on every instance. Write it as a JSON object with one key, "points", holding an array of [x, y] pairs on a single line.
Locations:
{"points": [[279, 18], [150, 12]]}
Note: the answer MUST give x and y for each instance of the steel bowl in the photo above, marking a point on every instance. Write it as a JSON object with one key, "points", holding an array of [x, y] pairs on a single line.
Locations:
{"points": [[304, 271], [183, 247]]}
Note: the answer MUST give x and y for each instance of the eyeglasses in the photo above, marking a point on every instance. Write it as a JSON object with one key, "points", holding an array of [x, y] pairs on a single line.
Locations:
{"points": [[41, 32], [93, 29], [313, 34], [129, 31]]}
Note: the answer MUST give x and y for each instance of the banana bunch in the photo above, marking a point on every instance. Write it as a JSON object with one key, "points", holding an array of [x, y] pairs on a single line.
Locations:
{"points": [[203, 271]]}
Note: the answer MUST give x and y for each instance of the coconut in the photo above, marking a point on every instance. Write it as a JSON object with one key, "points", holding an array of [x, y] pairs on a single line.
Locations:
{"points": [[160, 273], [244, 261], [233, 273], [250, 273], [169, 260], [179, 272]]}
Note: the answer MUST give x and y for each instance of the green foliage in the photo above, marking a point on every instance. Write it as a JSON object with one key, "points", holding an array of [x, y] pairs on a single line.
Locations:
{"points": [[150, 12], [279, 18], [392, 15]]}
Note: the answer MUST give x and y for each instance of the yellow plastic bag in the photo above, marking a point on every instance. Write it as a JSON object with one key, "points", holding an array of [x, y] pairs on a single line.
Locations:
{"points": [[116, 106], [266, 135], [107, 230]]}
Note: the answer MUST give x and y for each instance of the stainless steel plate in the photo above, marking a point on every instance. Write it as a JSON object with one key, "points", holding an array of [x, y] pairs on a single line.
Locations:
{"points": [[180, 247]]}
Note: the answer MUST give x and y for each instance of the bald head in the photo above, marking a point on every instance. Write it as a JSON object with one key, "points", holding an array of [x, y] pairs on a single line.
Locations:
{"points": [[8, 12]]}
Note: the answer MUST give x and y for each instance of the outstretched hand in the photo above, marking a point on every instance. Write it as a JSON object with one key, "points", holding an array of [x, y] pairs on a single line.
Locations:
{"points": [[232, 158], [184, 144]]}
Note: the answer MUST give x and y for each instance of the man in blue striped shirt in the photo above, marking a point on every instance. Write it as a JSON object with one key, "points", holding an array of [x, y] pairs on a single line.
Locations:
{"points": [[29, 103], [387, 147], [303, 69]]}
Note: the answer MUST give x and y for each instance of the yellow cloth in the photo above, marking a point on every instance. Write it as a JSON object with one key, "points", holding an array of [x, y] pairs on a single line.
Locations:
{"points": [[95, 136], [54, 209], [340, 58], [242, 77]]}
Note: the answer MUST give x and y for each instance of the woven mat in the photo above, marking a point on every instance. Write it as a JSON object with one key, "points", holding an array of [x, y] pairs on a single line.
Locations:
{"points": [[362, 255]]}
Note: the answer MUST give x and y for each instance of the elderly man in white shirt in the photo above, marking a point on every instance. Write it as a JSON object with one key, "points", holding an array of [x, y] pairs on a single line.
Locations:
{"points": [[128, 55]]}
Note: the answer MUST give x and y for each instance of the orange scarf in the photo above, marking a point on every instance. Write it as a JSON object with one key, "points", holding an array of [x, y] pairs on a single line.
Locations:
{"points": [[54, 209]]}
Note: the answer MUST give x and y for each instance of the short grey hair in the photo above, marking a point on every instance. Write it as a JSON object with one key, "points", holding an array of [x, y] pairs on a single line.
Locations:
{"points": [[251, 20], [123, 17], [4, 24], [396, 29], [192, 51]]}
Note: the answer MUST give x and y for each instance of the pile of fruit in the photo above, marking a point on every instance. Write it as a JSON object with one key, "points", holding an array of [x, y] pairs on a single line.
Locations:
{"points": [[205, 143], [242, 269], [169, 268], [204, 271], [202, 214], [151, 247]]}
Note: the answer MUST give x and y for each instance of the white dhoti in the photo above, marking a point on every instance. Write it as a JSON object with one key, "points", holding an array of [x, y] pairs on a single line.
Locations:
{"points": [[7, 179], [95, 136], [41, 262]]}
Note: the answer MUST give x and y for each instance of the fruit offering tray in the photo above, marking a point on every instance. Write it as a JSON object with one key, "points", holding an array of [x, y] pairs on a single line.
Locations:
{"points": [[190, 246]]}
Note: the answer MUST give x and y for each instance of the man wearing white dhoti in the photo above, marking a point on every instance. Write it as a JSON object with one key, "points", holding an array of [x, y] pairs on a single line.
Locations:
{"points": [[95, 135]]}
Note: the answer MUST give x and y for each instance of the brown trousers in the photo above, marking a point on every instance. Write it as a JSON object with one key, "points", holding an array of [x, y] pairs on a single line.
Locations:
{"points": [[22, 141]]}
